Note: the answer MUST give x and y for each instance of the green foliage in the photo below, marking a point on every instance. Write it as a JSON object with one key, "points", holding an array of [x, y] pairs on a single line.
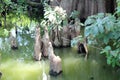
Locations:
{"points": [[77, 39], [118, 8], [4, 32], [19, 7], [15, 15], [113, 56], [53, 17], [100, 25], [103, 30], [21, 20], [74, 14]]}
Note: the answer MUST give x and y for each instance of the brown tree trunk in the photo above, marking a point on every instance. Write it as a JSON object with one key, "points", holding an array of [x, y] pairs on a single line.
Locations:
{"points": [[55, 62], [56, 37], [87, 7], [69, 6], [101, 6], [45, 41], [110, 6], [37, 45], [74, 29], [65, 36]]}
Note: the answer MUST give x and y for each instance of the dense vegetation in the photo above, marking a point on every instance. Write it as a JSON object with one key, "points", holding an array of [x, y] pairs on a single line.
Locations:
{"points": [[103, 31], [20, 13]]}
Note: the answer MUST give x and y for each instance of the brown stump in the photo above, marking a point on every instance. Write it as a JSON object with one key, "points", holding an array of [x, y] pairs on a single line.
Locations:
{"points": [[55, 62], [75, 28], [37, 45], [65, 36], [56, 41], [45, 41]]}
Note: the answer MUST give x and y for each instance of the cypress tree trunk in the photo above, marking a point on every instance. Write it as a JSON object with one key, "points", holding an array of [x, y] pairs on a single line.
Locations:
{"points": [[37, 45], [86, 7], [101, 6], [45, 41]]}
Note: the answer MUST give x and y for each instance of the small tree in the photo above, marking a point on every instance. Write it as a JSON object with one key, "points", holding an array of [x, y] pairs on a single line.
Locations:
{"points": [[103, 30]]}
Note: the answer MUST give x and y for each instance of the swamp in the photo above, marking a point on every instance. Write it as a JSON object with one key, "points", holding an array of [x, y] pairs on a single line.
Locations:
{"points": [[59, 39]]}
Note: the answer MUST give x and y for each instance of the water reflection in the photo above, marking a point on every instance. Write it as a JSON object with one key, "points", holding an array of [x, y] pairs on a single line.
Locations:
{"points": [[4, 44], [19, 65]]}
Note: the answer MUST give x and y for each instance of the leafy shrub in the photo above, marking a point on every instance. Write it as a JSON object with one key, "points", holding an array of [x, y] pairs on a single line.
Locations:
{"points": [[53, 17], [103, 29]]}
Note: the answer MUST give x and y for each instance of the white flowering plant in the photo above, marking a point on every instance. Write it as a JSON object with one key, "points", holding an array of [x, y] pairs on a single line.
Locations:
{"points": [[53, 17]]}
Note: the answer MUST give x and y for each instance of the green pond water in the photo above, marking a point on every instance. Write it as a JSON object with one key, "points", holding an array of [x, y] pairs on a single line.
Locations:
{"points": [[19, 64]]}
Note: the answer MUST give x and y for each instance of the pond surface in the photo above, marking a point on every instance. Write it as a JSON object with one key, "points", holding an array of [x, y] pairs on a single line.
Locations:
{"points": [[19, 64]]}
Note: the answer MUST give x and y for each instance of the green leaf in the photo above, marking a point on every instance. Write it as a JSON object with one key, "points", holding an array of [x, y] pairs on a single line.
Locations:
{"points": [[106, 49], [6, 32], [100, 28], [95, 31], [77, 39], [74, 14], [87, 31], [109, 60], [89, 21], [106, 39]]}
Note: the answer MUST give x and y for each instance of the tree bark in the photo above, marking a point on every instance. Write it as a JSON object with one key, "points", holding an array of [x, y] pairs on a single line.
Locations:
{"points": [[37, 45], [65, 36], [101, 6], [45, 41], [87, 7], [55, 62], [56, 37]]}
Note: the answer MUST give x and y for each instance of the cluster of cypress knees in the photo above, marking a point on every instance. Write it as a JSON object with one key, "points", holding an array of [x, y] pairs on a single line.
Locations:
{"points": [[43, 48]]}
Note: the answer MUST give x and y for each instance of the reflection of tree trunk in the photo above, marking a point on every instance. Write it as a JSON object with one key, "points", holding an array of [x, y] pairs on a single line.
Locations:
{"points": [[82, 48], [0, 75]]}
